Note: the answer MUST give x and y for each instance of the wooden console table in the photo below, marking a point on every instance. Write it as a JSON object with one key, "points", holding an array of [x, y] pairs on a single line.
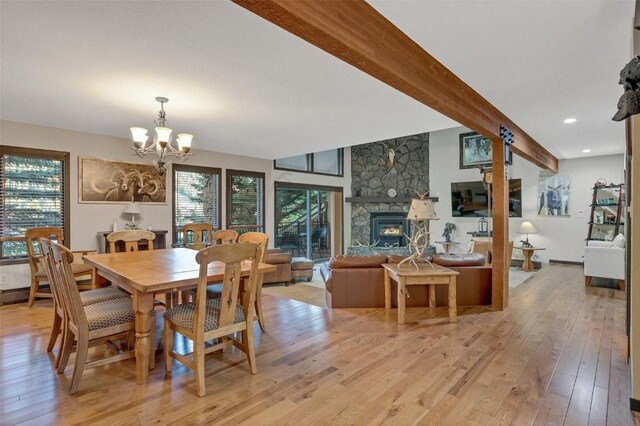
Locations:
{"points": [[425, 275], [158, 243]]}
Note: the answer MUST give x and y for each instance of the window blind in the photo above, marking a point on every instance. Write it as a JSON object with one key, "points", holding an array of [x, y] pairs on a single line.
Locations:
{"points": [[196, 198], [246, 200], [32, 194]]}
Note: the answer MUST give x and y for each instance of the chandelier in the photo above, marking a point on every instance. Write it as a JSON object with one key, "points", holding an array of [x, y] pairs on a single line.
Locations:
{"points": [[162, 145]]}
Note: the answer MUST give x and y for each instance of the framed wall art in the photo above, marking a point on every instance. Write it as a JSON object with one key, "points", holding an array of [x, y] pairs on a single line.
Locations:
{"points": [[107, 181], [475, 151], [554, 195]]}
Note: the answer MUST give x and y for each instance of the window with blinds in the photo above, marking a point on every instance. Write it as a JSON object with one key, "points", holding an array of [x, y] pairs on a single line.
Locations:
{"points": [[196, 197], [33, 193], [245, 201]]}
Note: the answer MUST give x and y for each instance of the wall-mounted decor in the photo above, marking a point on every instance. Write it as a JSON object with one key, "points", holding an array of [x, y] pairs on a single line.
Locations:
{"points": [[475, 151], [554, 195], [106, 181]]}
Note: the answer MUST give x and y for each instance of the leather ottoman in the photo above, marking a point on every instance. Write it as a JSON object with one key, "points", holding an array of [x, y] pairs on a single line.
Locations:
{"points": [[301, 267]]}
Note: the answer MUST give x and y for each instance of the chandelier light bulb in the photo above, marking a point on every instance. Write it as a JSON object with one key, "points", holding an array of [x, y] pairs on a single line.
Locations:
{"points": [[184, 142], [139, 136], [163, 133]]}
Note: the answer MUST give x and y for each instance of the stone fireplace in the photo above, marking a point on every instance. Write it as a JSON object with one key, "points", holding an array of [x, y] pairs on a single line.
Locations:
{"points": [[385, 175], [389, 229]]}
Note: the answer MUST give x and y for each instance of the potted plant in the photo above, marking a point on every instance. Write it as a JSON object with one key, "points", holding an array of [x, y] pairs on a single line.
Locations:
{"points": [[448, 229]]}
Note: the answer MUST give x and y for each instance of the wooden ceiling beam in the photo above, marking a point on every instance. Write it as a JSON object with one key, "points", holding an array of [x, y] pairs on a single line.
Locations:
{"points": [[358, 34]]}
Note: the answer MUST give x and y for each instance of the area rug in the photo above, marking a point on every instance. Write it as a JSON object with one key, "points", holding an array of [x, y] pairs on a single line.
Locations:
{"points": [[517, 276], [312, 293]]}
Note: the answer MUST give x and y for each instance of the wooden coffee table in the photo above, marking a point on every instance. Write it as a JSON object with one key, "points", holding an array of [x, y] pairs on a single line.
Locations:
{"points": [[425, 275]]}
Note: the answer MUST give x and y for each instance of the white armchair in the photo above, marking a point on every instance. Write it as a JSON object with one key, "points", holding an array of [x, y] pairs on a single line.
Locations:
{"points": [[605, 259]]}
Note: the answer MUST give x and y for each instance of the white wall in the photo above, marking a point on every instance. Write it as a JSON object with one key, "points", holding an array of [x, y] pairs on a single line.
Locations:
{"points": [[563, 237]]}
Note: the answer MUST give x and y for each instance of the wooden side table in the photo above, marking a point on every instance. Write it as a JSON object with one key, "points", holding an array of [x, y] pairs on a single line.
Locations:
{"points": [[447, 245], [527, 253], [425, 275]]}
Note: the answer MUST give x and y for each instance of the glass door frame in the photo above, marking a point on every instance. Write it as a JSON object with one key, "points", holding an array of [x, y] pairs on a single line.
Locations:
{"points": [[309, 187]]}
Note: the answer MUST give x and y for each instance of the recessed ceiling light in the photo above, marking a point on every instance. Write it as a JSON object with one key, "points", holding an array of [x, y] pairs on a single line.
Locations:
{"points": [[570, 120], [586, 150]]}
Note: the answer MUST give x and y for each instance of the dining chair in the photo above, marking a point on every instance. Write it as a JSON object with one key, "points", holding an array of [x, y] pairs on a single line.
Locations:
{"points": [[36, 265], [130, 242], [196, 235], [90, 323], [218, 318], [262, 240], [86, 297], [224, 236]]}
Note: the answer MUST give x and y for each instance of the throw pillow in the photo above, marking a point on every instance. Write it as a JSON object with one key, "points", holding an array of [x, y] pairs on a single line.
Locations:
{"points": [[618, 241]]}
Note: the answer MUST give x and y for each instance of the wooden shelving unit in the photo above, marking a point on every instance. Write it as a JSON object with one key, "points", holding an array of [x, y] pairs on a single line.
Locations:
{"points": [[607, 212]]}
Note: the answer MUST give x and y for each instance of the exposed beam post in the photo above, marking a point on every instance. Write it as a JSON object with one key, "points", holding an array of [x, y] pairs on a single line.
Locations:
{"points": [[500, 241]]}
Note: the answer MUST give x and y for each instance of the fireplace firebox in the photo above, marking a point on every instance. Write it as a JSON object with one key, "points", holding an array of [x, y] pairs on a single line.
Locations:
{"points": [[389, 228]]}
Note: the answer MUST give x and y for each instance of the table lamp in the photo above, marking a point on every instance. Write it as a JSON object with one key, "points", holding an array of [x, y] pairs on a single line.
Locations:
{"points": [[133, 209], [527, 228], [420, 213]]}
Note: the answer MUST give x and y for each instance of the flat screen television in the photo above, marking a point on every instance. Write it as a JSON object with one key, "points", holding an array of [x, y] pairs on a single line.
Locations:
{"points": [[470, 199]]}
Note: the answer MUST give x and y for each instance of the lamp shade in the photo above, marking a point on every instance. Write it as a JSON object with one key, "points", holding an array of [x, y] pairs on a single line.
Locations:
{"points": [[139, 136], [132, 208], [184, 140], [527, 228], [163, 134], [422, 209]]}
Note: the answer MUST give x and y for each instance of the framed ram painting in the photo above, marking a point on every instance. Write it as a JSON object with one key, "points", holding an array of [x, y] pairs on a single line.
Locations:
{"points": [[107, 181]]}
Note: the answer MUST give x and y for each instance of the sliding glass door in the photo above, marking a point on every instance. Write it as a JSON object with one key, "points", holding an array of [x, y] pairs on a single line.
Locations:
{"points": [[305, 220]]}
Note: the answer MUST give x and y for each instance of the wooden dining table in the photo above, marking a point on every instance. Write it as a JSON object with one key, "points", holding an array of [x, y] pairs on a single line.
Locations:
{"points": [[143, 273]]}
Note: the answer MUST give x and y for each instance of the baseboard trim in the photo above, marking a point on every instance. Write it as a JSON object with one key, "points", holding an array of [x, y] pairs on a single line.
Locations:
{"points": [[566, 262], [18, 295], [634, 404], [518, 263]]}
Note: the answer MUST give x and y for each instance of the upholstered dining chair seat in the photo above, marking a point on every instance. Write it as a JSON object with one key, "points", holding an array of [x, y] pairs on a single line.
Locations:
{"points": [[183, 315], [98, 295], [110, 313], [76, 268]]}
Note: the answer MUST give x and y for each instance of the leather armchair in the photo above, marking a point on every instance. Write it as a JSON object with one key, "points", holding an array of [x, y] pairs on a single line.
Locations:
{"points": [[604, 259], [483, 245], [282, 262]]}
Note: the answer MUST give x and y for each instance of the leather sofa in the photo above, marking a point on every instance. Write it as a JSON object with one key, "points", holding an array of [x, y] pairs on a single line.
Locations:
{"points": [[484, 246], [358, 281], [282, 262]]}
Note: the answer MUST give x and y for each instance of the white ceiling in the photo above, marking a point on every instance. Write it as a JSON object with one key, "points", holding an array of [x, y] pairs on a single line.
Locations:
{"points": [[245, 86]]}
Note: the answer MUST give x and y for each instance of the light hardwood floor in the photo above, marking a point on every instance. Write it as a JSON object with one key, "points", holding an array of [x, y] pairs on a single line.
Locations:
{"points": [[557, 355]]}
